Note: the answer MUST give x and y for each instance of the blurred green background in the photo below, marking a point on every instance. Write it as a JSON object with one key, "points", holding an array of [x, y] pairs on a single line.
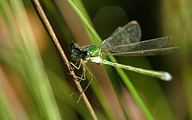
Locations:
{"points": [[34, 80]]}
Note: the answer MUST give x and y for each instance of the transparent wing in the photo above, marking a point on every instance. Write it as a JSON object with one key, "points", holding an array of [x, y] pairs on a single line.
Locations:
{"points": [[130, 33], [143, 45], [151, 52]]}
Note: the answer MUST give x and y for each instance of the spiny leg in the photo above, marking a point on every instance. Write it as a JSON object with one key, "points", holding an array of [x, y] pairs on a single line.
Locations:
{"points": [[74, 65], [71, 63], [85, 67], [83, 77], [80, 64]]}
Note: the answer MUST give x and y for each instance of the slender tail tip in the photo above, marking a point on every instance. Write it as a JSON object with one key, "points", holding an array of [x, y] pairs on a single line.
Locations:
{"points": [[166, 77]]}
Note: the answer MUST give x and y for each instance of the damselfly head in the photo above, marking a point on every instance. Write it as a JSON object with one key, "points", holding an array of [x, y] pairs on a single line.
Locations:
{"points": [[75, 50], [74, 46]]}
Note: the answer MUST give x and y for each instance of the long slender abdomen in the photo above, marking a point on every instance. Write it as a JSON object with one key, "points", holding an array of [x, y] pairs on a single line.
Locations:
{"points": [[161, 75]]}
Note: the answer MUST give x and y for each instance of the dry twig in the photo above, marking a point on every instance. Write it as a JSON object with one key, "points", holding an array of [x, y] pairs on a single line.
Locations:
{"points": [[50, 31]]}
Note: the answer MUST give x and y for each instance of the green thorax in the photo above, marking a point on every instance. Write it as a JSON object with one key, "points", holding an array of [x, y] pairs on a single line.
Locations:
{"points": [[93, 50]]}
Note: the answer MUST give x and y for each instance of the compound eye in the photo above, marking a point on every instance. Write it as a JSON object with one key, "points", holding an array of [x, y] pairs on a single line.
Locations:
{"points": [[72, 46], [85, 55]]}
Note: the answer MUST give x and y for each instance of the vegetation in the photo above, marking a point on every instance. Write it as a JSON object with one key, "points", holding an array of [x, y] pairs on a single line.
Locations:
{"points": [[34, 80]]}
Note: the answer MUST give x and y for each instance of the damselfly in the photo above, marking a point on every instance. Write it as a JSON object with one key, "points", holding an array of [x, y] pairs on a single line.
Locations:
{"points": [[124, 41]]}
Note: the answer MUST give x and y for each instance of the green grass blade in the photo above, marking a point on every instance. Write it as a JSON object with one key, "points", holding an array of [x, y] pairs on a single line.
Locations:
{"points": [[5, 113], [87, 24], [178, 23], [27, 54], [120, 71], [5, 109]]}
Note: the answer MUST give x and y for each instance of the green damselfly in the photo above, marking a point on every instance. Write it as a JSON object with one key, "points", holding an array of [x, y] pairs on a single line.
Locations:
{"points": [[124, 41]]}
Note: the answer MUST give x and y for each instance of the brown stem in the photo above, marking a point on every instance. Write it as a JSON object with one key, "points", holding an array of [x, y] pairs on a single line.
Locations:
{"points": [[51, 33]]}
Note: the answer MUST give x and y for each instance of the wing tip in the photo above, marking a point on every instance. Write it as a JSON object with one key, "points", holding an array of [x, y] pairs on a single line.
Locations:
{"points": [[134, 22], [170, 38]]}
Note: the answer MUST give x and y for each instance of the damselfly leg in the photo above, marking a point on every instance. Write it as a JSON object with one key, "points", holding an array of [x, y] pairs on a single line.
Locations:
{"points": [[83, 76]]}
